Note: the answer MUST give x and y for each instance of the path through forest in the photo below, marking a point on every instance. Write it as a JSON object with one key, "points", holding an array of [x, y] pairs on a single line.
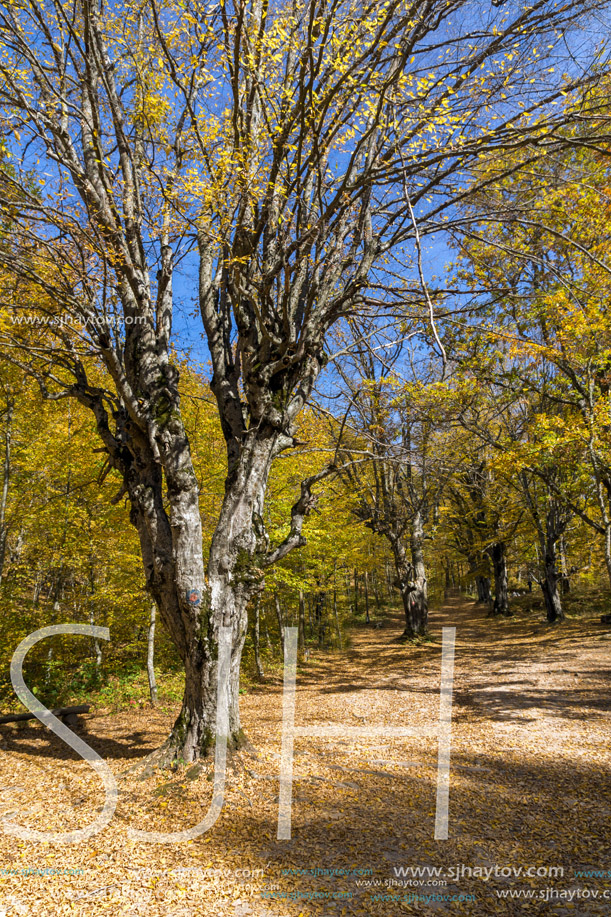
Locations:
{"points": [[529, 790]]}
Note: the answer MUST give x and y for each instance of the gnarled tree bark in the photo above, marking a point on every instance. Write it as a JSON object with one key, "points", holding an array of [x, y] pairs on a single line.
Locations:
{"points": [[498, 556]]}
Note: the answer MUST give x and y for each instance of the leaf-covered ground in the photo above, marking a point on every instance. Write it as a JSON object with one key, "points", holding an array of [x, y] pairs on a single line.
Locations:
{"points": [[529, 791]]}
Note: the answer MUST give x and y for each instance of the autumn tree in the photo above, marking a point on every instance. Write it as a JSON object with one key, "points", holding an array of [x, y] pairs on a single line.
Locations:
{"points": [[535, 253], [282, 152], [390, 457], [510, 425], [558, 259]]}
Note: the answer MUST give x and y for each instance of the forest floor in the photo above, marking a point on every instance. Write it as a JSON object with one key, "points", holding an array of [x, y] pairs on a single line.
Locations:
{"points": [[529, 790]]}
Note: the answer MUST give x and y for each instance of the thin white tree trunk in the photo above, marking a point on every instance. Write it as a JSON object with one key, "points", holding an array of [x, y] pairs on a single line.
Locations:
{"points": [[150, 655], [257, 641], [5, 486], [280, 618]]}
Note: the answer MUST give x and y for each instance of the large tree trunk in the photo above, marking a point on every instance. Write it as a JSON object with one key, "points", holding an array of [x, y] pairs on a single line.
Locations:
{"points": [[233, 574], [416, 614], [482, 584], [549, 586], [480, 580], [174, 566], [498, 555], [418, 598], [549, 530], [192, 609]]}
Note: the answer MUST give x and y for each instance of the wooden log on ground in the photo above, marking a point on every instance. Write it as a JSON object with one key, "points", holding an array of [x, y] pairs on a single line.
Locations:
{"points": [[61, 712]]}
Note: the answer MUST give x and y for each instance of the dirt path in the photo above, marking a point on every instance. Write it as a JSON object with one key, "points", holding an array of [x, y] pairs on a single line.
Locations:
{"points": [[529, 790]]}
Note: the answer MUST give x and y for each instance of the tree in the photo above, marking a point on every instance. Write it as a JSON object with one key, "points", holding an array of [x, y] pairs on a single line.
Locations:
{"points": [[512, 425], [288, 152], [535, 254], [387, 449]]}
